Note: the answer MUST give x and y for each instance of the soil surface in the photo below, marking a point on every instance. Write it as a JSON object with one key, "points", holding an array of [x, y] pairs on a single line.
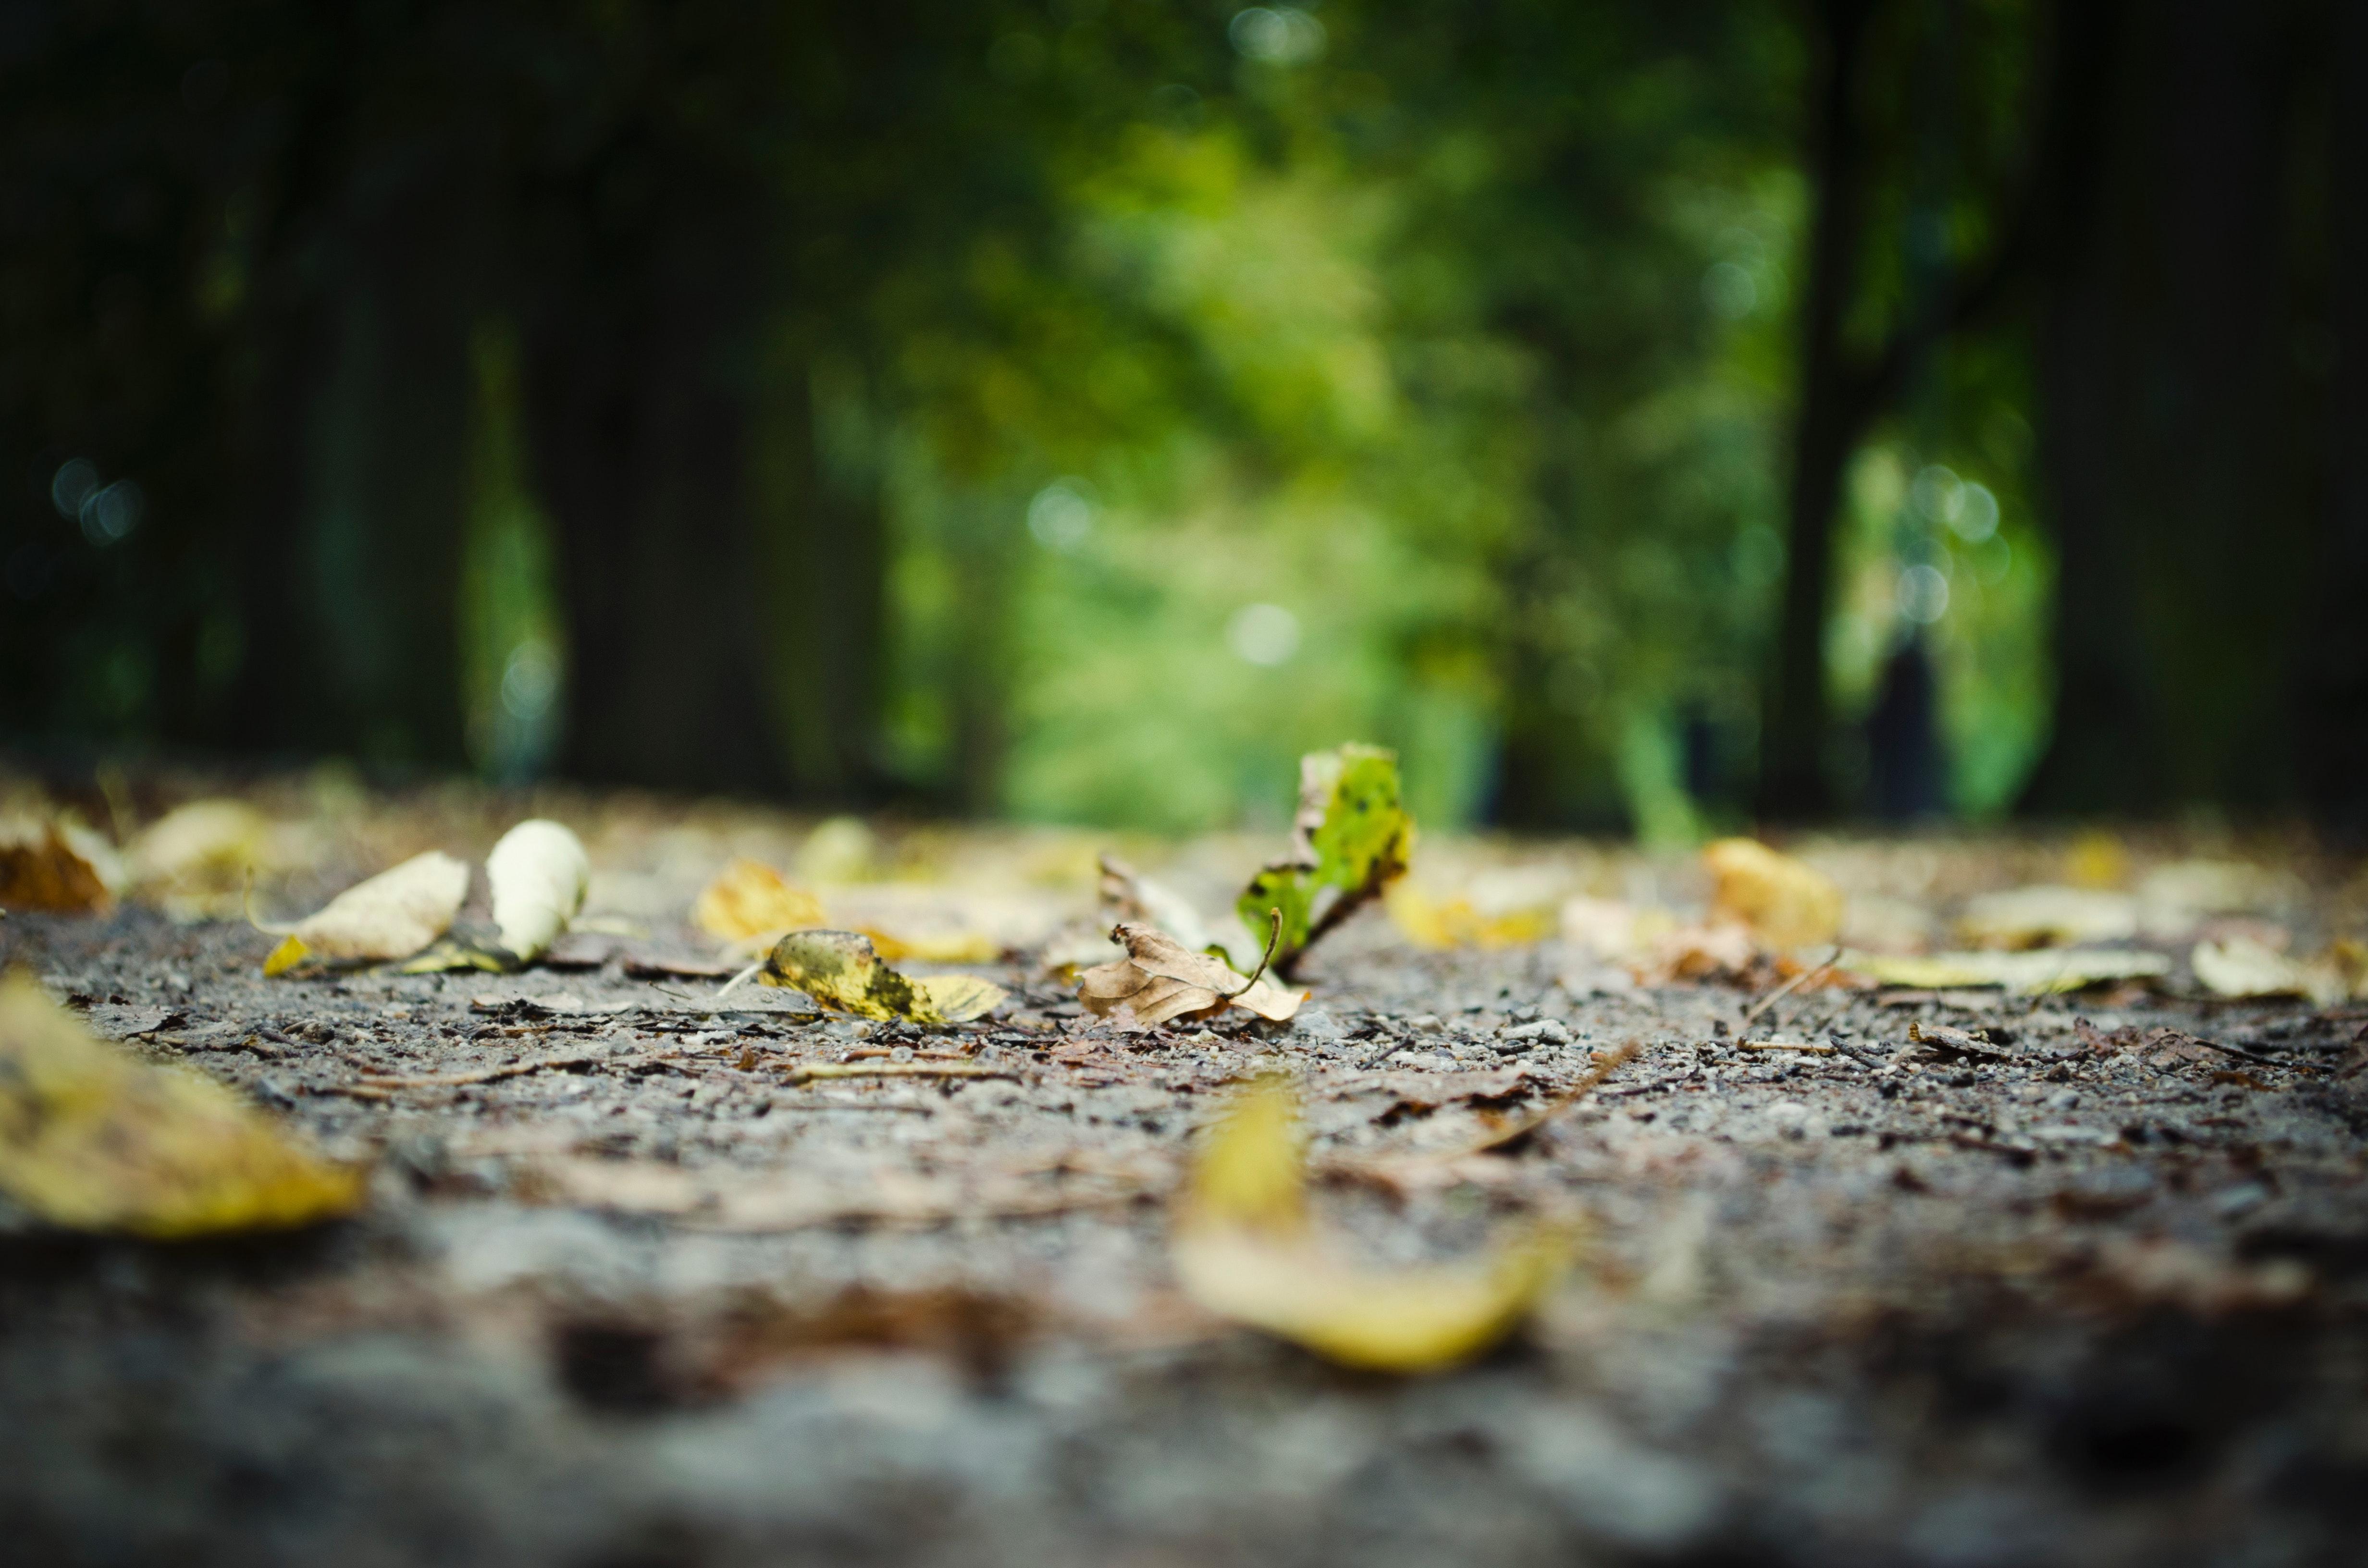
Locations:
{"points": [[2084, 1291]]}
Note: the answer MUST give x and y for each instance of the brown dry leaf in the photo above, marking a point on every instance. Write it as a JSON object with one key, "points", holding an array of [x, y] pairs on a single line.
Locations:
{"points": [[1695, 952], [1785, 903], [844, 972], [1243, 1248], [56, 864], [1161, 980], [749, 898], [391, 915], [93, 1139]]}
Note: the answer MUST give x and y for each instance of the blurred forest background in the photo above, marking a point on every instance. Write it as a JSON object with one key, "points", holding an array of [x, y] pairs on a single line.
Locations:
{"points": [[1654, 415]]}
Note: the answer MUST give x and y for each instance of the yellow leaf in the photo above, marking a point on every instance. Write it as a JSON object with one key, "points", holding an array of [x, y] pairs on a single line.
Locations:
{"points": [[538, 874], [93, 1139], [1243, 1248], [291, 952], [842, 970], [1160, 980], [1785, 904], [391, 915], [933, 946], [1428, 922], [749, 898]]}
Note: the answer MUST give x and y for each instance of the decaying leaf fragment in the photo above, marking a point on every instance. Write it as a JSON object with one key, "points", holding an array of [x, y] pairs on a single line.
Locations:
{"points": [[2040, 972], [1161, 980], [1785, 902], [538, 873], [844, 972], [56, 863], [1243, 1248], [391, 915], [749, 898], [93, 1139], [1352, 836]]}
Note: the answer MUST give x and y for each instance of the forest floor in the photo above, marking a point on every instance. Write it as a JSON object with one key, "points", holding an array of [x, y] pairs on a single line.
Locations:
{"points": [[2095, 1293]]}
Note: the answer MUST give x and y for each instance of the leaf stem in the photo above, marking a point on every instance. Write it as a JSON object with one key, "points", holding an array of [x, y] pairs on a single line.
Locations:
{"points": [[1274, 935]]}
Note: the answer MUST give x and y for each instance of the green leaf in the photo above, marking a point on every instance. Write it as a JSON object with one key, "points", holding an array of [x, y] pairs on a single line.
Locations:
{"points": [[1352, 837]]}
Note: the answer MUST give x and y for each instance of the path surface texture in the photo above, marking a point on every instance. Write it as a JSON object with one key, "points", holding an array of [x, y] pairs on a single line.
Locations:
{"points": [[1938, 1276]]}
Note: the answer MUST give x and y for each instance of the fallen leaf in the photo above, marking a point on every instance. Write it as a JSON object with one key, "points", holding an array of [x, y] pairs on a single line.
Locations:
{"points": [[1243, 1248], [2047, 916], [391, 915], [1352, 837], [842, 970], [1695, 952], [93, 1139], [1785, 902], [1161, 980], [1460, 922], [2048, 971], [749, 898], [538, 874], [932, 947], [194, 861], [2243, 967], [56, 864]]}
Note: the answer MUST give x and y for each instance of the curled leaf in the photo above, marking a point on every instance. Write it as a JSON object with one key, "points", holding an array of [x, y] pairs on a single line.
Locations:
{"points": [[749, 898], [1161, 980], [844, 972], [1785, 902], [538, 874], [93, 1139], [1243, 1248], [1352, 837], [391, 915]]}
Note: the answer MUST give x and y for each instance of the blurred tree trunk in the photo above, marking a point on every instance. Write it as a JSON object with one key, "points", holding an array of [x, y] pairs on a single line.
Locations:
{"points": [[367, 284], [2334, 661], [1828, 420], [637, 403], [2171, 414], [823, 543]]}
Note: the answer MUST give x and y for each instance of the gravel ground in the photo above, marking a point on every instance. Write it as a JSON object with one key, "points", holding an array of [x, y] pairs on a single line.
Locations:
{"points": [[2094, 1295]]}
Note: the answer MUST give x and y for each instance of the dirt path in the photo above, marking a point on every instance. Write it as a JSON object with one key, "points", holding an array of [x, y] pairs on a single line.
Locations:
{"points": [[634, 1288]]}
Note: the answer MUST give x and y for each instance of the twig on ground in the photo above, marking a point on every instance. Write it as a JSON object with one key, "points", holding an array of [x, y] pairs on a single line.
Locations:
{"points": [[810, 1070], [487, 1074], [1784, 1045], [1787, 989]]}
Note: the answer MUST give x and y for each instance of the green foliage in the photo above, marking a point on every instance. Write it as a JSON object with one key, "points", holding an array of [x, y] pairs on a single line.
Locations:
{"points": [[1352, 836]]}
